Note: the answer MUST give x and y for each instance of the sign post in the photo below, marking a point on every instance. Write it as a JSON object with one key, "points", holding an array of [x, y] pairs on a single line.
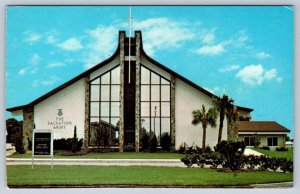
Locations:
{"points": [[42, 144]]}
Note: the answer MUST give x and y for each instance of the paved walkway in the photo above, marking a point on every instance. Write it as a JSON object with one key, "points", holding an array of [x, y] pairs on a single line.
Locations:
{"points": [[249, 151], [97, 162]]}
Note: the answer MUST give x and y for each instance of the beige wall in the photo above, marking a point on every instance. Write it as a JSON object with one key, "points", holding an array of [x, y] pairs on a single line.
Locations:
{"points": [[187, 100], [71, 101]]}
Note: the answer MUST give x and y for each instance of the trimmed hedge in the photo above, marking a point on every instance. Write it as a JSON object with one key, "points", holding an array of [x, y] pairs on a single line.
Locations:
{"points": [[229, 155]]}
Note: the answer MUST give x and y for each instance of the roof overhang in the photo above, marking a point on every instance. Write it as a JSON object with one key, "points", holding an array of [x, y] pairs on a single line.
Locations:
{"points": [[263, 133]]}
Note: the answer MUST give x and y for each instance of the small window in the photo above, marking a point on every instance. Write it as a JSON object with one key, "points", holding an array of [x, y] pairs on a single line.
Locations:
{"points": [[272, 141], [249, 141]]}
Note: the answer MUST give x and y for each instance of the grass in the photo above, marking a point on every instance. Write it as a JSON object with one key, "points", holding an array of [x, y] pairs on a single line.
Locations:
{"points": [[113, 155], [279, 154], [24, 175]]}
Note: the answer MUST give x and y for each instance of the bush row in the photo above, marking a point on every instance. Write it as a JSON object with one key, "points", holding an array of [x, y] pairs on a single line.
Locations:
{"points": [[215, 160], [229, 155], [68, 144]]}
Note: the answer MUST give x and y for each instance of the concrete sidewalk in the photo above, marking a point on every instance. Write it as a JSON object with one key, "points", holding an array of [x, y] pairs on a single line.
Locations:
{"points": [[97, 162], [249, 151]]}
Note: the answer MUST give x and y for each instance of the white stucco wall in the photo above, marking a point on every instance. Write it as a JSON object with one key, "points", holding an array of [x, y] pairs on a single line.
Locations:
{"points": [[71, 101], [188, 99]]}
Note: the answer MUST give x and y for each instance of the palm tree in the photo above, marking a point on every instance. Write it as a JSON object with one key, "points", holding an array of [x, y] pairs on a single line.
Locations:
{"points": [[224, 106], [205, 118]]}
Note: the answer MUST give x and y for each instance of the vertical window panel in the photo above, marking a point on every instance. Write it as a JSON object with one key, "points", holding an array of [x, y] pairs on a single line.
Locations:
{"points": [[165, 109], [104, 93], [145, 109], [145, 93], [165, 93], [95, 92], [96, 81], [145, 125], [104, 109], [94, 109], [145, 76], [115, 75], [105, 79], [155, 94], [164, 81], [154, 78], [155, 106], [115, 93], [165, 126], [155, 127], [115, 109]]}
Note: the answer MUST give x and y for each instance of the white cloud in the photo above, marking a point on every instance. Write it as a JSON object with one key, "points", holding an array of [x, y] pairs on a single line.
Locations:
{"points": [[279, 79], [208, 36], [239, 39], [262, 55], [211, 50], [256, 74], [35, 83], [163, 33], [71, 44], [31, 37], [102, 42], [270, 74], [229, 68], [35, 59], [22, 71], [56, 64], [50, 81], [51, 39]]}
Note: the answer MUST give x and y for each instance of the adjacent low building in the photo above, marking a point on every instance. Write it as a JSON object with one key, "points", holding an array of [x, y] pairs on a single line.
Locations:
{"points": [[268, 133]]}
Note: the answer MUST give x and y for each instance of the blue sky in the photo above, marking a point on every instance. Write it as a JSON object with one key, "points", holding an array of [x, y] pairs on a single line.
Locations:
{"points": [[243, 51]]}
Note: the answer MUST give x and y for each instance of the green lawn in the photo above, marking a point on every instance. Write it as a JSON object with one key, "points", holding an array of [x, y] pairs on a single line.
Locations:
{"points": [[279, 154], [135, 175], [114, 155]]}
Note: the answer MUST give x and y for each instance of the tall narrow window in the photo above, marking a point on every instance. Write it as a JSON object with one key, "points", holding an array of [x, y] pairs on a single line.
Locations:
{"points": [[104, 109], [155, 104]]}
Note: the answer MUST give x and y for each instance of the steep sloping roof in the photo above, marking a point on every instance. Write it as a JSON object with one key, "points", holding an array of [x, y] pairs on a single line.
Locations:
{"points": [[261, 126], [82, 75]]}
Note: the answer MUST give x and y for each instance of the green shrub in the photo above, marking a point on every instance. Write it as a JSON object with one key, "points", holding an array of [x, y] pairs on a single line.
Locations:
{"points": [[232, 153], [17, 140], [264, 148], [214, 159], [264, 162], [229, 155], [153, 144], [182, 148], [281, 149], [165, 142], [251, 161], [286, 165], [274, 164], [145, 141]]}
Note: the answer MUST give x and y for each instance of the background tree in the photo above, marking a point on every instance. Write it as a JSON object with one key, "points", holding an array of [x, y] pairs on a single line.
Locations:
{"points": [[232, 118], [223, 105], [206, 119]]}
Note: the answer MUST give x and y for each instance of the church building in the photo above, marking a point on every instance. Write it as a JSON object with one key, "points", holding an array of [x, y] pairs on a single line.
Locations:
{"points": [[121, 99]]}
